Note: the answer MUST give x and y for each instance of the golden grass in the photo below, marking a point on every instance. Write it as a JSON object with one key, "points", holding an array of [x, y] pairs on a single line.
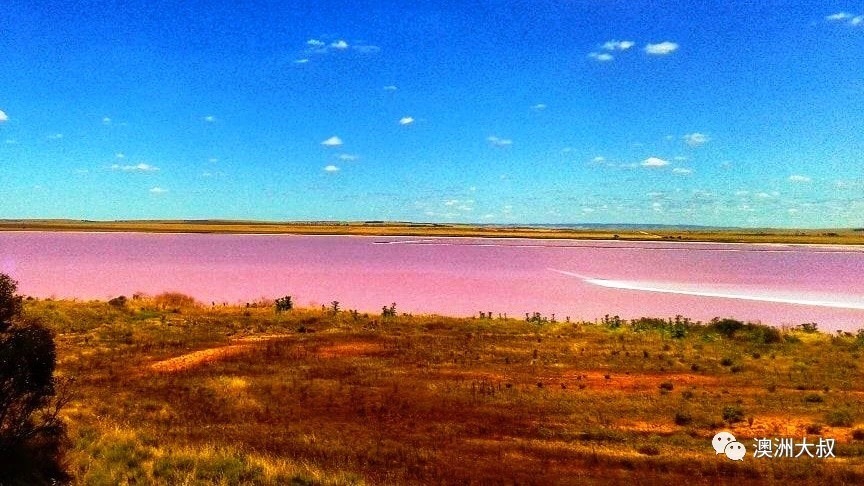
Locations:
{"points": [[843, 236], [332, 398]]}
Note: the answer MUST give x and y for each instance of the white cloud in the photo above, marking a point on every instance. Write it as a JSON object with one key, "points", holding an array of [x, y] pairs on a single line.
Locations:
{"points": [[599, 159], [333, 141], [340, 44], [3, 116], [539, 106], [499, 142], [331, 168], [120, 155], [315, 43], [682, 170], [407, 120], [56, 136], [158, 190], [390, 88], [654, 162], [839, 16], [696, 139], [601, 56], [798, 178], [142, 167], [662, 48], [348, 157], [615, 45], [106, 120], [301, 61], [857, 20], [212, 160], [209, 118]]}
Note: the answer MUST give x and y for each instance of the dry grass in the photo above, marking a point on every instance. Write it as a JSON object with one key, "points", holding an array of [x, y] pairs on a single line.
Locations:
{"points": [[313, 397]]}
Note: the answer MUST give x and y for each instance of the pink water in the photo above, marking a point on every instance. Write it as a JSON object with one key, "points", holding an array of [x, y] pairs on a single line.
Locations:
{"points": [[775, 284]]}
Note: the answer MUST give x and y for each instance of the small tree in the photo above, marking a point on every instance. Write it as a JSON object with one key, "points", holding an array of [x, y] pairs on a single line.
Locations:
{"points": [[284, 304], [31, 432]]}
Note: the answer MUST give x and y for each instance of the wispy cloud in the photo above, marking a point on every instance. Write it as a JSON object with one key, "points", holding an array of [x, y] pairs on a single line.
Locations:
{"points": [[55, 136], [142, 167], [106, 120], [323, 47], [799, 178], [158, 190], [654, 162], [209, 119], [601, 56], [348, 157], [661, 49], [696, 139], [366, 49], [390, 88], [539, 107], [3, 116], [682, 170], [331, 168], [499, 142], [846, 18], [333, 141], [301, 61], [406, 120], [614, 45], [120, 155]]}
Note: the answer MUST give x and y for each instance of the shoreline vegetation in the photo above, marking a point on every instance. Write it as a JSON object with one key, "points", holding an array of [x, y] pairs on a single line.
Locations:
{"points": [[827, 236], [171, 391]]}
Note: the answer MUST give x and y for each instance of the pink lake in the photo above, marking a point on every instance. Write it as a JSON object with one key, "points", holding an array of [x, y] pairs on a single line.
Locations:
{"points": [[774, 284]]}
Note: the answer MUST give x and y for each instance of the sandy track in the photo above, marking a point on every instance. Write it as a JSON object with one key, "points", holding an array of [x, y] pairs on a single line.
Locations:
{"points": [[203, 356]]}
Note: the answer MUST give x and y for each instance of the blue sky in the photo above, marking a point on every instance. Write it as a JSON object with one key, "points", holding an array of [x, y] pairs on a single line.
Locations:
{"points": [[678, 112]]}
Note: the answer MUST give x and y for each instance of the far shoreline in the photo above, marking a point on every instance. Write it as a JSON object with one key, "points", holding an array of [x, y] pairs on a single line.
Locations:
{"points": [[828, 236]]}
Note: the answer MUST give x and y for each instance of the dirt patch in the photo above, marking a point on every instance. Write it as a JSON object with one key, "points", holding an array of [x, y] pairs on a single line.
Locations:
{"points": [[636, 381], [196, 358], [350, 349]]}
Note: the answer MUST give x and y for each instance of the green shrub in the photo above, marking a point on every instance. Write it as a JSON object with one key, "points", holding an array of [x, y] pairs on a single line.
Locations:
{"points": [[839, 418], [733, 413], [648, 450], [683, 418], [813, 398]]}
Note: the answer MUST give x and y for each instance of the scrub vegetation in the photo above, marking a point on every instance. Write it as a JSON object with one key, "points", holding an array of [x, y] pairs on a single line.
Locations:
{"points": [[170, 391]]}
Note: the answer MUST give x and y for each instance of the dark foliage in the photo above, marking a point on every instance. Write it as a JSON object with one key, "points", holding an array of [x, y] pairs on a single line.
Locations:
{"points": [[31, 433], [284, 304]]}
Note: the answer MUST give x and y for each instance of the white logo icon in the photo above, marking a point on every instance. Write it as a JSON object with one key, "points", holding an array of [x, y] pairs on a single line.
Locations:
{"points": [[725, 443]]}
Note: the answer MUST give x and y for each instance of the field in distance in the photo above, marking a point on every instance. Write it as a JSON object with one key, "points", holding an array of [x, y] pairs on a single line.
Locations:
{"points": [[172, 392], [847, 236]]}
